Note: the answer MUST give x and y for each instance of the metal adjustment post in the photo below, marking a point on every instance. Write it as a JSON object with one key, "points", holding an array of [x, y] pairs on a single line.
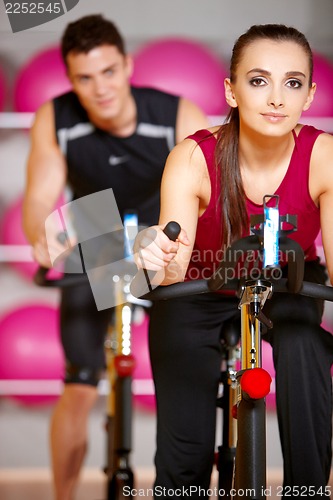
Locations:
{"points": [[253, 297]]}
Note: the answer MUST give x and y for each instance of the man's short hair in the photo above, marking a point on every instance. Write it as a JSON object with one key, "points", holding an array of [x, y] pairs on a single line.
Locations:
{"points": [[88, 33]]}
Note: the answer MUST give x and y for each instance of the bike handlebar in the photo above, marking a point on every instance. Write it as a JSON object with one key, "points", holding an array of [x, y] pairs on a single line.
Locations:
{"points": [[183, 289], [295, 260], [68, 280], [186, 288], [172, 229], [40, 278], [218, 281]]}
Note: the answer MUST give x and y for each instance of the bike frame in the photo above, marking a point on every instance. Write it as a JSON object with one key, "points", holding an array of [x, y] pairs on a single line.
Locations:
{"points": [[120, 365], [239, 434], [227, 450], [242, 460], [242, 464], [250, 460]]}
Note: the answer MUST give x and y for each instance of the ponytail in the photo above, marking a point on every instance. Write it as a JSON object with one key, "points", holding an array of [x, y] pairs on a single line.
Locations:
{"points": [[232, 197]]}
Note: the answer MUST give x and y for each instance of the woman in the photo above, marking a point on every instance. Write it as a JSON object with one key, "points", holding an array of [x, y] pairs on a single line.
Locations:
{"points": [[213, 182]]}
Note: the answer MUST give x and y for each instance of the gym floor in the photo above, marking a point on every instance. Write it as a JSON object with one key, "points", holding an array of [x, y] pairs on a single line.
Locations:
{"points": [[35, 484]]}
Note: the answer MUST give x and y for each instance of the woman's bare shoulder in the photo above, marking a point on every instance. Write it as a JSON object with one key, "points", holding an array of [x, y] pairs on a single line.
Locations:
{"points": [[188, 152]]}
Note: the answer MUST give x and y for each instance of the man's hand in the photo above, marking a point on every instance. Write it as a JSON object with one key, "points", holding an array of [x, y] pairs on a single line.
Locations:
{"points": [[48, 251]]}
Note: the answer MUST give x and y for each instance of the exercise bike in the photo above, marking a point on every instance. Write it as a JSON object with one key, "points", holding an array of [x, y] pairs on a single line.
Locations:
{"points": [[120, 364], [241, 459]]}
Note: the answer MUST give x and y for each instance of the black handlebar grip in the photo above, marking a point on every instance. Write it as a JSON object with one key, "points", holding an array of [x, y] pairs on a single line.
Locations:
{"points": [[141, 282], [40, 276], [172, 230], [62, 237]]}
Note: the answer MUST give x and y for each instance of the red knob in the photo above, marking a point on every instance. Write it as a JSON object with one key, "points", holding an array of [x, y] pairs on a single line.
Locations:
{"points": [[124, 365], [256, 382]]}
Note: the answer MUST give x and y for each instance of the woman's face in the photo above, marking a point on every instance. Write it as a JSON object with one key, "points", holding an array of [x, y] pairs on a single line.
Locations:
{"points": [[271, 87]]}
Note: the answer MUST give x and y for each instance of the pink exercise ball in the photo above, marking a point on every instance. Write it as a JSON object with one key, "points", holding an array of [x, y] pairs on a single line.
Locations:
{"points": [[319, 241], [183, 67], [11, 233], [322, 104], [267, 363], [30, 348], [2, 89], [41, 79], [142, 372], [327, 323]]}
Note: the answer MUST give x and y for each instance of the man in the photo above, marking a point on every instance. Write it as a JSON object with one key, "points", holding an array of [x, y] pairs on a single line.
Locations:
{"points": [[104, 134]]}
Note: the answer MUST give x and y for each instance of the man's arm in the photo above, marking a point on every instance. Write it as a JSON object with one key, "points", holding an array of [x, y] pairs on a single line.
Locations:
{"points": [[190, 118], [46, 179]]}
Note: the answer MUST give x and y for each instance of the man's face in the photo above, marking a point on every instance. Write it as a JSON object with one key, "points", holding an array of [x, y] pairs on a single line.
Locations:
{"points": [[100, 79]]}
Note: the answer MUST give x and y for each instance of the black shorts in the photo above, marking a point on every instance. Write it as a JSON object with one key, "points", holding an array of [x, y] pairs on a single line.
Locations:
{"points": [[83, 328]]}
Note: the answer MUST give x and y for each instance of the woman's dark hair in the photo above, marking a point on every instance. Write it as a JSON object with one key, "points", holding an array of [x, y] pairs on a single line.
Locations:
{"points": [[89, 32], [233, 199]]}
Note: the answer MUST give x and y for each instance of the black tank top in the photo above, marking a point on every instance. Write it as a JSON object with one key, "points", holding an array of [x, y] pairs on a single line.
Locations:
{"points": [[132, 166]]}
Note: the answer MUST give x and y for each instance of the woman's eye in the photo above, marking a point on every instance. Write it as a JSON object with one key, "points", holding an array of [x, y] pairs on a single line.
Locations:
{"points": [[257, 82], [295, 84]]}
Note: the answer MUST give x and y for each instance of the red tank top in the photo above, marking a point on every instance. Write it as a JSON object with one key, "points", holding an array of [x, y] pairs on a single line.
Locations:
{"points": [[294, 199]]}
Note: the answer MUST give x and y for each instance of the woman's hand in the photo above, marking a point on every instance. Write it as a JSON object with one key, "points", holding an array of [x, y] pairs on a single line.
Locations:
{"points": [[153, 250]]}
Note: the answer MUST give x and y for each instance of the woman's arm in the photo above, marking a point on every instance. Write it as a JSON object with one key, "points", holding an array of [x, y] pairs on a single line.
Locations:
{"points": [[321, 188], [184, 189]]}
